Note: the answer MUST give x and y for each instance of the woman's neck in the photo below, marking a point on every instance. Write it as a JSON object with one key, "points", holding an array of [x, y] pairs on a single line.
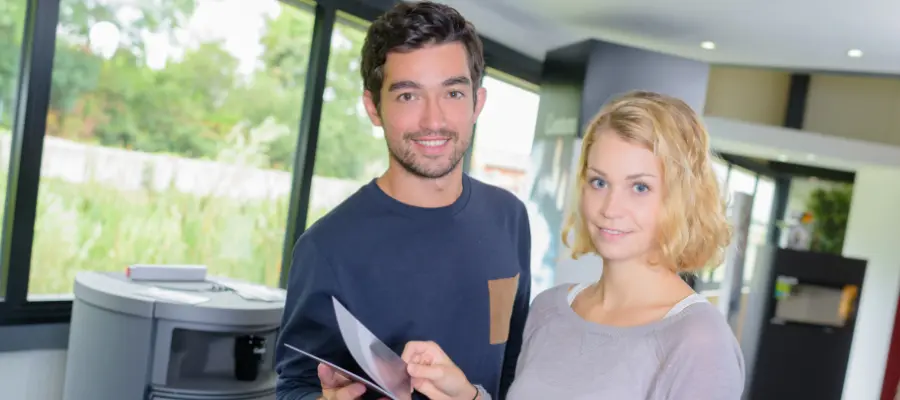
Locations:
{"points": [[634, 284]]}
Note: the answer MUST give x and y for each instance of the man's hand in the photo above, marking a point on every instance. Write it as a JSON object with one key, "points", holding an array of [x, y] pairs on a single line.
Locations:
{"points": [[336, 386], [434, 374]]}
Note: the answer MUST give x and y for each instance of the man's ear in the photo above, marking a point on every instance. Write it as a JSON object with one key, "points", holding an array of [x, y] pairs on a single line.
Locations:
{"points": [[480, 97], [371, 108]]}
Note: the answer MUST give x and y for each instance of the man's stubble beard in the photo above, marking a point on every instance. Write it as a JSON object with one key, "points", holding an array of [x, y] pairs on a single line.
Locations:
{"points": [[407, 158]]}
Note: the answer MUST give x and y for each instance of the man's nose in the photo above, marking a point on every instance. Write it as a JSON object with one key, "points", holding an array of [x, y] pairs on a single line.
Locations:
{"points": [[433, 116]]}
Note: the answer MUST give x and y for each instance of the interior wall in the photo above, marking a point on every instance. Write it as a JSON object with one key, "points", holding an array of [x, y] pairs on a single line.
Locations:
{"points": [[754, 95], [32, 374], [872, 231], [858, 107]]}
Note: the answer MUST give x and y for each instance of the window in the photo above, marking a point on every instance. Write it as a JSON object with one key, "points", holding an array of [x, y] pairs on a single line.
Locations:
{"points": [[12, 26], [170, 138], [720, 168], [739, 181], [504, 134], [760, 219], [350, 151], [501, 156]]}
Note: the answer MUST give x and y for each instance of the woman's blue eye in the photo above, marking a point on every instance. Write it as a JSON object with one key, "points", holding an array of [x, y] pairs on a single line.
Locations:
{"points": [[641, 188], [598, 183]]}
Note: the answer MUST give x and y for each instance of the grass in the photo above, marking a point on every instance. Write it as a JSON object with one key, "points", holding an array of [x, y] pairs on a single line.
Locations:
{"points": [[94, 227]]}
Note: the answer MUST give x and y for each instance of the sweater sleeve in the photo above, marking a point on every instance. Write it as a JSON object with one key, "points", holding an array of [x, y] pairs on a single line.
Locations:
{"points": [[307, 323], [703, 362]]}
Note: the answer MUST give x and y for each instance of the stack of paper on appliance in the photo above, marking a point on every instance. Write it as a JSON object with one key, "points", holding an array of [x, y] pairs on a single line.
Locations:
{"points": [[384, 366]]}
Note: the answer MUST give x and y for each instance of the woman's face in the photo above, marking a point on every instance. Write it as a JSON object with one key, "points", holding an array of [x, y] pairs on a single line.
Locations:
{"points": [[621, 198]]}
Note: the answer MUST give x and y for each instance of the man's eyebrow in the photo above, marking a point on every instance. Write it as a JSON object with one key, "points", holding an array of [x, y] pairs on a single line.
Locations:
{"points": [[458, 80], [454, 81], [403, 85], [629, 177]]}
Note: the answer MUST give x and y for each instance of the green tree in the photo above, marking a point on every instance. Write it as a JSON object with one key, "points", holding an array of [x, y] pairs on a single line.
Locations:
{"points": [[76, 70], [12, 22], [346, 146], [192, 104], [830, 208]]}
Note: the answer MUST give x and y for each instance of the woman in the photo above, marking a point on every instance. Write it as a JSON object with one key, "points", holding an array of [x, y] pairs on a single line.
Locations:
{"points": [[649, 205]]}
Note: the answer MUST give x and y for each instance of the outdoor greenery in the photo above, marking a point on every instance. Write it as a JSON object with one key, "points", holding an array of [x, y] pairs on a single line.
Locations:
{"points": [[830, 207], [199, 104]]}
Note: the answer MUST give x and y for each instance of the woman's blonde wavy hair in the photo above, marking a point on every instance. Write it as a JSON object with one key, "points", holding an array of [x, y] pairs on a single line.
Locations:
{"points": [[693, 230]]}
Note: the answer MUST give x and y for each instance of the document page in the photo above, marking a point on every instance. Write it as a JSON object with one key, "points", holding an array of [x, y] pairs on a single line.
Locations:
{"points": [[380, 362], [386, 368]]}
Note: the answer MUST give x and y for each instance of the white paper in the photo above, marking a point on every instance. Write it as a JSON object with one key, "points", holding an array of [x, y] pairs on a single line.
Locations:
{"points": [[174, 296], [343, 371], [380, 362]]}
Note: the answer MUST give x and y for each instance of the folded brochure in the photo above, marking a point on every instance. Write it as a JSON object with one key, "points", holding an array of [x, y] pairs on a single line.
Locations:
{"points": [[384, 366]]}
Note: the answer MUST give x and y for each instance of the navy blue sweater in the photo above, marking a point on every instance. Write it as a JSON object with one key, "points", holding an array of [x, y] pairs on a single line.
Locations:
{"points": [[457, 275]]}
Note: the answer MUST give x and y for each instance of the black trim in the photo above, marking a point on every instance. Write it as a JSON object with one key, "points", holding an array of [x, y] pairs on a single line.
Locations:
{"points": [[796, 106], [757, 166], [36, 312], [496, 55], [34, 337], [779, 208], [27, 149], [308, 136], [797, 170], [511, 62], [778, 169]]}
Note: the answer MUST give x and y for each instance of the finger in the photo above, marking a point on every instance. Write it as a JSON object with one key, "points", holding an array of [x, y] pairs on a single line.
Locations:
{"points": [[429, 372], [427, 388], [330, 378], [411, 350], [429, 350], [350, 392]]}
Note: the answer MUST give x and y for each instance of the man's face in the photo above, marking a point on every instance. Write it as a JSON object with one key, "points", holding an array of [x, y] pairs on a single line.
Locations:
{"points": [[428, 108]]}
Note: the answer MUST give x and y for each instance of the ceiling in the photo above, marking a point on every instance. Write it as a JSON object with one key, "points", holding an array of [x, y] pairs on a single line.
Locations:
{"points": [[798, 34]]}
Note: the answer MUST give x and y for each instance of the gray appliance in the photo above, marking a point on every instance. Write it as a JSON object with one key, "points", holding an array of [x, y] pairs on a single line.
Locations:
{"points": [[162, 341]]}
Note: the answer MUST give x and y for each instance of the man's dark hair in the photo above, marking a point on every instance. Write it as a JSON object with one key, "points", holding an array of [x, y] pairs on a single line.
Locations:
{"points": [[412, 26]]}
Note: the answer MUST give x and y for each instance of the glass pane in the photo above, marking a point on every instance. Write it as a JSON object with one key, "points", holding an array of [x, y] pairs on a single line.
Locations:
{"points": [[739, 180], [760, 223], [763, 200], [170, 138], [350, 151], [755, 238], [501, 156], [720, 168], [504, 135], [12, 25]]}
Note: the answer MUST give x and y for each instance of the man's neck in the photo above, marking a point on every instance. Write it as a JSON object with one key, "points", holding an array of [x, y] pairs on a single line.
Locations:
{"points": [[421, 192]]}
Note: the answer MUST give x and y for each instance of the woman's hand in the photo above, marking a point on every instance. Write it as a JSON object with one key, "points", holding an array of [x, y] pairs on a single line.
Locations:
{"points": [[434, 374]]}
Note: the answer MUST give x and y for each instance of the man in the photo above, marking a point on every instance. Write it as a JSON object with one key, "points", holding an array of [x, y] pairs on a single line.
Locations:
{"points": [[423, 252]]}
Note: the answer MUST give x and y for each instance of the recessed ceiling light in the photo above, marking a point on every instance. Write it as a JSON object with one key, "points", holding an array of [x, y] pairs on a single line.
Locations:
{"points": [[708, 45], [855, 53]]}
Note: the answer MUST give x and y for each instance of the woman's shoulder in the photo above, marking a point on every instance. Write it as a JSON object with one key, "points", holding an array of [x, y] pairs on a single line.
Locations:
{"points": [[552, 296], [550, 302], [699, 330]]}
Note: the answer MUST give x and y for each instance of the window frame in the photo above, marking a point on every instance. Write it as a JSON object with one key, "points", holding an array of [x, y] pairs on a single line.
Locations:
{"points": [[782, 174], [30, 120]]}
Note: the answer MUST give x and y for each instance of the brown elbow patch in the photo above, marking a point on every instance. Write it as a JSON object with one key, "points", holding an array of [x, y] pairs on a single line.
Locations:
{"points": [[503, 296]]}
